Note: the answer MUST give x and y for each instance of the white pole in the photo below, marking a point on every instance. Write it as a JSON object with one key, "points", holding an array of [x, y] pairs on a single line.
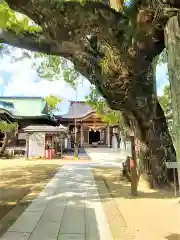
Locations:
{"points": [[75, 122], [75, 125], [174, 176]]}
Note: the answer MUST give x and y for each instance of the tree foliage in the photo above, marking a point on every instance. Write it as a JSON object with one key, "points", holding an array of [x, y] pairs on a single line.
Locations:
{"points": [[6, 127], [16, 21], [99, 105], [55, 68], [9, 129], [165, 99], [52, 102], [166, 103], [106, 114]]}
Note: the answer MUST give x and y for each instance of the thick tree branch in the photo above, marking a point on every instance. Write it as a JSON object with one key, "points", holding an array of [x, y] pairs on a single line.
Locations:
{"points": [[32, 42], [69, 23]]}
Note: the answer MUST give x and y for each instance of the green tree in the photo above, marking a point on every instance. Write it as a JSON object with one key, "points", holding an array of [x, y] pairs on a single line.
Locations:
{"points": [[52, 102], [165, 99], [113, 45], [55, 68], [166, 103], [98, 104], [8, 130], [106, 114]]}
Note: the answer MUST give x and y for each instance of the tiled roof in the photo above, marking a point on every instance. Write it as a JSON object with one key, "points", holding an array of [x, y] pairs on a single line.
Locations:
{"points": [[78, 110], [24, 106], [44, 128], [9, 107]]}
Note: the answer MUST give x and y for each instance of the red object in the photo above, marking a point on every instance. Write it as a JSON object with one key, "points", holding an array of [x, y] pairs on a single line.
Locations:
{"points": [[48, 154], [132, 165]]}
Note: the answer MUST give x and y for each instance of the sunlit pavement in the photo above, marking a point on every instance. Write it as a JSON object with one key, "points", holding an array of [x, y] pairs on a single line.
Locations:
{"points": [[106, 157], [68, 208]]}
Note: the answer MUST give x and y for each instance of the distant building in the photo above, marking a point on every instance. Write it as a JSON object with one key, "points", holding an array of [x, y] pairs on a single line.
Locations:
{"points": [[25, 111], [90, 128], [33, 111]]}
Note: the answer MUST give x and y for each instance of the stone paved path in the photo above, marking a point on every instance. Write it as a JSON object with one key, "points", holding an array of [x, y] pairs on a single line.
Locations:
{"points": [[107, 157], [69, 208]]}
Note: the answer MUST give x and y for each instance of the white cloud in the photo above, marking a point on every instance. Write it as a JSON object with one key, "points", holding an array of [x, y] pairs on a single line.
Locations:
{"points": [[161, 78], [25, 82]]}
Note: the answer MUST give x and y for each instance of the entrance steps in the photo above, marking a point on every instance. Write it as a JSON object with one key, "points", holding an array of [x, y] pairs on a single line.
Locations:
{"points": [[86, 145]]}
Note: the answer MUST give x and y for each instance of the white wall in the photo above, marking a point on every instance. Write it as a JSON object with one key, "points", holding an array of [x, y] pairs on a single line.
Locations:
{"points": [[36, 145]]}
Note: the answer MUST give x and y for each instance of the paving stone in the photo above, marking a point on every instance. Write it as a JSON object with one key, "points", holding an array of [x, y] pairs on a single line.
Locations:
{"points": [[97, 227], [55, 210], [45, 230], [63, 188], [15, 236], [38, 205], [92, 231], [73, 220], [26, 222], [50, 189], [71, 237], [47, 192], [73, 206]]}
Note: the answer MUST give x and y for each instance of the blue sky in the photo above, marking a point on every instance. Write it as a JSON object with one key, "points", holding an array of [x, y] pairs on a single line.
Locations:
{"points": [[161, 77], [20, 79]]}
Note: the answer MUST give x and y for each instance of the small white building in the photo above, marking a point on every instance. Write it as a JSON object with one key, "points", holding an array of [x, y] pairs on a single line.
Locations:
{"points": [[41, 137]]}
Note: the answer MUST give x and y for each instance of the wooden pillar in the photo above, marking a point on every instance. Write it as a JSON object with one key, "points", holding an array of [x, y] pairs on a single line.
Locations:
{"points": [[81, 136], [68, 128], [27, 147], [108, 136]]}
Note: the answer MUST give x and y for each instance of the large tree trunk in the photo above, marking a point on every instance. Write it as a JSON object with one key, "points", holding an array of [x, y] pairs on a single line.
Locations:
{"points": [[4, 143], [154, 145], [156, 148], [172, 37]]}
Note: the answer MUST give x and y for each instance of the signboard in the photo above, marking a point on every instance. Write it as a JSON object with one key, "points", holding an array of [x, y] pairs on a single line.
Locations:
{"points": [[171, 165]]}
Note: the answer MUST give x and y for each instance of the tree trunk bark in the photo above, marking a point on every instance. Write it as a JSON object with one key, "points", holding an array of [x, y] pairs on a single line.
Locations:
{"points": [[4, 144], [154, 145], [172, 41], [156, 148]]}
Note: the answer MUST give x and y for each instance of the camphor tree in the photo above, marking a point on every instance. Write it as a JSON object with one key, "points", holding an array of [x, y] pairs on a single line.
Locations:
{"points": [[113, 45]]}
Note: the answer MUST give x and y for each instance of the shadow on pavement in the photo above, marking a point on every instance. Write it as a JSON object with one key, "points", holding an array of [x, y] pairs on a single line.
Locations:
{"points": [[173, 236]]}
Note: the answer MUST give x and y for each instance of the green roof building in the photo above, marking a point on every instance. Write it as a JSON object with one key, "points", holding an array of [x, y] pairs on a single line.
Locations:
{"points": [[25, 108]]}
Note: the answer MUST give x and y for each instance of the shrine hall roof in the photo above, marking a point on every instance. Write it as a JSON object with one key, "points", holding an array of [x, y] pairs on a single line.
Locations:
{"points": [[25, 107], [77, 110]]}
